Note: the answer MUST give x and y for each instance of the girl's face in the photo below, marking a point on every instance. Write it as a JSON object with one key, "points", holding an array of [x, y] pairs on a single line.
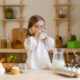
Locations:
{"points": [[38, 26]]}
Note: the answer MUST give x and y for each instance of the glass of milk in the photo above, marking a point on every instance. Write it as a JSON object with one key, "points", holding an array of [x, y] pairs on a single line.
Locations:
{"points": [[58, 59], [43, 35]]}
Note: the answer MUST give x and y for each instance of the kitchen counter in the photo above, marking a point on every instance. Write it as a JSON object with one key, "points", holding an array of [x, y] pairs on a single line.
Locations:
{"points": [[36, 75], [4, 50]]}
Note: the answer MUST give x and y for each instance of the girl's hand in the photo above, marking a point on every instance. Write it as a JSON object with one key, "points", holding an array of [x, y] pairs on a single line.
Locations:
{"points": [[37, 33], [44, 30]]}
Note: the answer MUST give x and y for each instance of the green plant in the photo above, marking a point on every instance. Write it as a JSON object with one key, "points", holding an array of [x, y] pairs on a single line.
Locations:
{"points": [[9, 10], [73, 38]]}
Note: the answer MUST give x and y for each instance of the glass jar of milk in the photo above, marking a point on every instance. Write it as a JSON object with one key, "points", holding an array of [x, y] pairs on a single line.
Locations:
{"points": [[58, 59]]}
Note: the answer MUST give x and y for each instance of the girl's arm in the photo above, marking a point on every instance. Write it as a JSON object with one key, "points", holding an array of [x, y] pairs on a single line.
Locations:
{"points": [[49, 43], [30, 44]]}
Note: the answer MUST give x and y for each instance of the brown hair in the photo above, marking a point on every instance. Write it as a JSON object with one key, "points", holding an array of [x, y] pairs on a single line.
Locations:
{"points": [[32, 21]]}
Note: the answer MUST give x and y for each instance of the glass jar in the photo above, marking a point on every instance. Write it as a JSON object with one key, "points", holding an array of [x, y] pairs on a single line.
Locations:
{"points": [[3, 42], [62, 13], [58, 59], [23, 67], [8, 43]]}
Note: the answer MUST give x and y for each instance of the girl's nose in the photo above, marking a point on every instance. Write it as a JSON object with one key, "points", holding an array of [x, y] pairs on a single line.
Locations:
{"points": [[41, 28]]}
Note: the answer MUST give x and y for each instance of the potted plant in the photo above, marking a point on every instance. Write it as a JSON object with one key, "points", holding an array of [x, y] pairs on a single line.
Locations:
{"points": [[9, 13], [73, 38], [73, 43]]}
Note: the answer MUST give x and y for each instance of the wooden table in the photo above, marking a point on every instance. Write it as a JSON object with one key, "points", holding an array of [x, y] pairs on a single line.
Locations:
{"points": [[36, 75]]}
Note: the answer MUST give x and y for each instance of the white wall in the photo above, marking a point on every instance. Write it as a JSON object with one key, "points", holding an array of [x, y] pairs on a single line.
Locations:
{"points": [[45, 9]]}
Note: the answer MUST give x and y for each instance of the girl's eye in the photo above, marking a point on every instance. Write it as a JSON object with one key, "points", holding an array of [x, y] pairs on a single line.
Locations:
{"points": [[36, 26], [41, 26]]}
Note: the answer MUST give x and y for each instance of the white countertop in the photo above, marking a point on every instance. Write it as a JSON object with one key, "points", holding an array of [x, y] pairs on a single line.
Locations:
{"points": [[36, 75]]}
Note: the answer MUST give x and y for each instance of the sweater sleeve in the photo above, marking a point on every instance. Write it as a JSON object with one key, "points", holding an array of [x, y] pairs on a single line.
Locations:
{"points": [[49, 43], [30, 44]]}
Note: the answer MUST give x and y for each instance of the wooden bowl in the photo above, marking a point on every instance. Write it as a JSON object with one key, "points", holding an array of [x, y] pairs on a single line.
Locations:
{"points": [[15, 70]]}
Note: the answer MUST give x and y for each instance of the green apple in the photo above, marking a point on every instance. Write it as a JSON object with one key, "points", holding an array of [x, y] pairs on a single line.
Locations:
{"points": [[15, 58], [9, 59], [11, 56]]}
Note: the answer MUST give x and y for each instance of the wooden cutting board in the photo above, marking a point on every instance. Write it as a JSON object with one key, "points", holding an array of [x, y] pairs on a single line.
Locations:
{"points": [[19, 34]]}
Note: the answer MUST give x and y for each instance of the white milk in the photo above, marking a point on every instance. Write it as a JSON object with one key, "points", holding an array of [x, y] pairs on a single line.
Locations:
{"points": [[58, 64]]}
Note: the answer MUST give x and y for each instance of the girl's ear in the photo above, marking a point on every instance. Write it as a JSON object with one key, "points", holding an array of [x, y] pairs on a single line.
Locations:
{"points": [[31, 32]]}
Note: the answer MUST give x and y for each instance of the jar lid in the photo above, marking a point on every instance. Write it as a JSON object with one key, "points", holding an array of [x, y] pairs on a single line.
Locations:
{"points": [[15, 67]]}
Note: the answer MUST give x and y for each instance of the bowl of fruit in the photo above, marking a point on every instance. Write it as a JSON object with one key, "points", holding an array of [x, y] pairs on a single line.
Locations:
{"points": [[11, 61]]}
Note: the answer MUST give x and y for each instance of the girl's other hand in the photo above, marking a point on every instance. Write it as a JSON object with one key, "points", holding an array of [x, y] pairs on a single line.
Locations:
{"points": [[44, 30]]}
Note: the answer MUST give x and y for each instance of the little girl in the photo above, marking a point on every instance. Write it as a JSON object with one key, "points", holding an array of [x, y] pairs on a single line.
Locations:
{"points": [[37, 49]]}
